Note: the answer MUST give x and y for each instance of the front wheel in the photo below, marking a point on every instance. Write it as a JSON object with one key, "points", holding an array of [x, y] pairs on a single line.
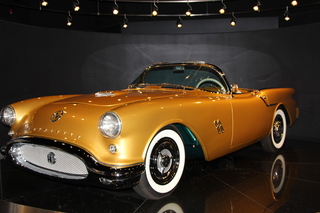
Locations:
{"points": [[275, 140], [164, 164]]}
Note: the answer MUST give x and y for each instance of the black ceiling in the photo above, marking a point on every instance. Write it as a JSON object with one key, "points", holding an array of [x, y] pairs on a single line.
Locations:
{"points": [[96, 15]]}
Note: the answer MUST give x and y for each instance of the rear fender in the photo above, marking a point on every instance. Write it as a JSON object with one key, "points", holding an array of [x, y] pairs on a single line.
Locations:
{"points": [[281, 97]]}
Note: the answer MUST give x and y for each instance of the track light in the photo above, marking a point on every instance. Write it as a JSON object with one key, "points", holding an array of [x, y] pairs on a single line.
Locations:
{"points": [[223, 9], [154, 9], [76, 5], [233, 20], [188, 12], [179, 22], [286, 14], [69, 19], [154, 12], [125, 22], [294, 3], [257, 7], [44, 3], [115, 8]]}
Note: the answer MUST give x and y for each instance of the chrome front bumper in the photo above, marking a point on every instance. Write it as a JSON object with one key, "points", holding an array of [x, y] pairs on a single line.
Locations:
{"points": [[63, 161]]}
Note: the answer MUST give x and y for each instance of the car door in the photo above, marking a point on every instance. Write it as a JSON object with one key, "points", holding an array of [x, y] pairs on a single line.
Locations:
{"points": [[249, 118]]}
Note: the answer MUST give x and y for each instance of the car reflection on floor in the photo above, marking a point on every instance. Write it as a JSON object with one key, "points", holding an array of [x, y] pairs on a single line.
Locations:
{"points": [[249, 180], [243, 188]]}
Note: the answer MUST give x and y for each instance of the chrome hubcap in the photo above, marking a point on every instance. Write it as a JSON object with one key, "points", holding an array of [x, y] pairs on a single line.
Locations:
{"points": [[278, 129], [164, 161]]}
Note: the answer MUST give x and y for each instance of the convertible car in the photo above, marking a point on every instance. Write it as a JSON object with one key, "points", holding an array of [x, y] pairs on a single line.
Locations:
{"points": [[141, 136]]}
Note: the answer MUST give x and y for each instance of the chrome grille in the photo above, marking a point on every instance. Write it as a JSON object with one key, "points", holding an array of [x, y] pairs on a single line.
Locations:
{"points": [[48, 161]]}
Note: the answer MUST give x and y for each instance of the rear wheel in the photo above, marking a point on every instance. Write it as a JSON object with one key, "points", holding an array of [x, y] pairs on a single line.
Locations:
{"points": [[277, 136], [164, 164]]}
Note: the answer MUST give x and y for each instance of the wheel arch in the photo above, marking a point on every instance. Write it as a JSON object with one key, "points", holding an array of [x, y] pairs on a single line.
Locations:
{"points": [[286, 112], [191, 143], [193, 146]]}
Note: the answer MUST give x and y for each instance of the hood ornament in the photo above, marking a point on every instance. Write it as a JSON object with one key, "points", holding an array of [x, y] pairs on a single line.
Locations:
{"points": [[56, 116], [104, 94]]}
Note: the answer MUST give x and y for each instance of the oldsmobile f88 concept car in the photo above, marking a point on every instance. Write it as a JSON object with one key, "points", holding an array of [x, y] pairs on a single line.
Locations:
{"points": [[141, 136]]}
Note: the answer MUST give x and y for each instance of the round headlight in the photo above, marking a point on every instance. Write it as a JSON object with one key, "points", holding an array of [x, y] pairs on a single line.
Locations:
{"points": [[110, 125], [8, 115]]}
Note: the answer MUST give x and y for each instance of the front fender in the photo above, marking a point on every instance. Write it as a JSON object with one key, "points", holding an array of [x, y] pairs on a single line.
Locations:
{"points": [[25, 107]]}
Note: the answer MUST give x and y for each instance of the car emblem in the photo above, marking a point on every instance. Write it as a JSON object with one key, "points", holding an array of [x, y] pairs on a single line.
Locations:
{"points": [[51, 157], [56, 116], [219, 126]]}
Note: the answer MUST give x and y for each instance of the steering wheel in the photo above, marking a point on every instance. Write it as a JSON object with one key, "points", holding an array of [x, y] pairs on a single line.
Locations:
{"points": [[211, 81]]}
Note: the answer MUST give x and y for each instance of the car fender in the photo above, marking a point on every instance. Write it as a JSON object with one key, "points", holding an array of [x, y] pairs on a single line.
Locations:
{"points": [[281, 97], [25, 108]]}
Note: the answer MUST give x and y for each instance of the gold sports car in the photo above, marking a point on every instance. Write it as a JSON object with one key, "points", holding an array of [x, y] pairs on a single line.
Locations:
{"points": [[141, 136]]}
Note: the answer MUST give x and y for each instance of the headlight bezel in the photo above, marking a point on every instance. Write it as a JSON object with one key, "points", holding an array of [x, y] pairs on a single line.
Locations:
{"points": [[8, 115], [110, 125]]}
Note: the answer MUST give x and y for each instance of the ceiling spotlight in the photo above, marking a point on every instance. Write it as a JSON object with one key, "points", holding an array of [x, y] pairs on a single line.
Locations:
{"points": [[69, 19], [179, 22], [188, 12], [286, 14], [233, 21], [44, 3], [257, 7], [154, 9], [125, 22], [223, 9], [115, 8], [76, 5], [294, 3]]}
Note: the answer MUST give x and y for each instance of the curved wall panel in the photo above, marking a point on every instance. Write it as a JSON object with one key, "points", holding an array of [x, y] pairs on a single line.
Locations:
{"points": [[40, 61]]}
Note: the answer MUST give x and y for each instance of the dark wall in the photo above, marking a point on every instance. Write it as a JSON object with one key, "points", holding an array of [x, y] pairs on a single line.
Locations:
{"points": [[39, 61]]}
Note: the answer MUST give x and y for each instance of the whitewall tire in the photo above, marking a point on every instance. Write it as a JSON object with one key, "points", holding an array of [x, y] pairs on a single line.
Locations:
{"points": [[164, 165], [275, 140]]}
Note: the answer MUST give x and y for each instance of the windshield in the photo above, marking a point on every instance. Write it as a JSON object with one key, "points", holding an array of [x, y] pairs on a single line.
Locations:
{"points": [[196, 76]]}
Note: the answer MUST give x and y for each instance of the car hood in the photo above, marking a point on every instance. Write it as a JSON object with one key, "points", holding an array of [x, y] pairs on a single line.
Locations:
{"points": [[75, 119], [122, 97]]}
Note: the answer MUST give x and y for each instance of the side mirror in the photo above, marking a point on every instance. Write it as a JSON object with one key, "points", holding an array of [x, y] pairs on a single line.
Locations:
{"points": [[235, 88]]}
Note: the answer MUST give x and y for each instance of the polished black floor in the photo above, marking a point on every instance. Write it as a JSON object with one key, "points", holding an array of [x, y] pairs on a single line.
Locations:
{"points": [[248, 181]]}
